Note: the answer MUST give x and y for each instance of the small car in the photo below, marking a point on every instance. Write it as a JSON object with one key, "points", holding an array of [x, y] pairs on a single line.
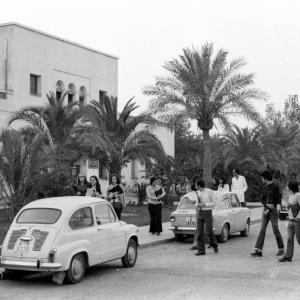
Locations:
{"points": [[283, 211], [228, 216], [65, 235]]}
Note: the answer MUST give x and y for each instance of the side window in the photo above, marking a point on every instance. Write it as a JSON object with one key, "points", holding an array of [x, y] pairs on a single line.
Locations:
{"points": [[234, 201], [81, 218], [102, 214], [224, 203], [112, 216]]}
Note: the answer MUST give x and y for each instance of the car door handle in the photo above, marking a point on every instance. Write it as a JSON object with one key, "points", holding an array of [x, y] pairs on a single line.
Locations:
{"points": [[99, 229]]}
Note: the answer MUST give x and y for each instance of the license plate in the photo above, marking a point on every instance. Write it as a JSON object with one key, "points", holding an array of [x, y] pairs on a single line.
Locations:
{"points": [[23, 247], [190, 221]]}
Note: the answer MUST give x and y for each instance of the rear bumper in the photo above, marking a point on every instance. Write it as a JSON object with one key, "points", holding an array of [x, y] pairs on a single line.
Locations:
{"points": [[183, 230], [37, 265]]}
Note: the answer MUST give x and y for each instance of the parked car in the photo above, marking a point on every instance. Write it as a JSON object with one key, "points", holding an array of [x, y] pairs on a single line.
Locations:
{"points": [[65, 235], [228, 216], [283, 211]]}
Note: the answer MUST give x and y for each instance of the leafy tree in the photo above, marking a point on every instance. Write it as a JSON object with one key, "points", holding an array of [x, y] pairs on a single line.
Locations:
{"points": [[130, 143], [27, 168], [207, 89]]}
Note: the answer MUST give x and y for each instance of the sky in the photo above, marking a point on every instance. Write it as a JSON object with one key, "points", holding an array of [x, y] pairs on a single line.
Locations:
{"points": [[144, 34]]}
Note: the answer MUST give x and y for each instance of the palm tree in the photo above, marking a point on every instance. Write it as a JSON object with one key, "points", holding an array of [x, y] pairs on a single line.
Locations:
{"points": [[129, 143], [207, 89], [27, 167]]}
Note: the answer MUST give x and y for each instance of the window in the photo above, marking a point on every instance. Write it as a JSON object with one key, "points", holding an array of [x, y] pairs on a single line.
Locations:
{"points": [[102, 171], [82, 95], [71, 93], [39, 215], [35, 85], [186, 204], [59, 89], [234, 201], [224, 203], [134, 169], [102, 95], [81, 218], [104, 214]]}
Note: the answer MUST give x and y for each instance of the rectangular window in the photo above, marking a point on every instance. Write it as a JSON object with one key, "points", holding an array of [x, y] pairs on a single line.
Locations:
{"points": [[35, 85], [134, 169], [102, 95]]}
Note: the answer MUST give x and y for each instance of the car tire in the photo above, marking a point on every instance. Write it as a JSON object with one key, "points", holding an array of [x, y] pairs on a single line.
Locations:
{"points": [[223, 237], [246, 230], [130, 257], [179, 237], [282, 217], [76, 271]]}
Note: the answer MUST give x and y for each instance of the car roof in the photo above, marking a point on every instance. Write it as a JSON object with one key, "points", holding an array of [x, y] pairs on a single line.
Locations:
{"points": [[66, 202]]}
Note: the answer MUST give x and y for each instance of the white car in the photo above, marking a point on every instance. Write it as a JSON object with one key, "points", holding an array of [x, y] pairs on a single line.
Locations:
{"points": [[65, 235], [228, 216]]}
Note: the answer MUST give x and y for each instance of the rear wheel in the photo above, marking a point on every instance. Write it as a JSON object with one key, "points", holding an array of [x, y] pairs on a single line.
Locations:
{"points": [[246, 231], [223, 237], [129, 259], [77, 269]]}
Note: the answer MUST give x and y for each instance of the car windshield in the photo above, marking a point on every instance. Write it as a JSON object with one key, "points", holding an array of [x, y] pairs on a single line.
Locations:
{"points": [[39, 216], [186, 204]]}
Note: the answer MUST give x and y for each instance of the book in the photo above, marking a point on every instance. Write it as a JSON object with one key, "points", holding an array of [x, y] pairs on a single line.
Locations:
{"points": [[158, 192]]}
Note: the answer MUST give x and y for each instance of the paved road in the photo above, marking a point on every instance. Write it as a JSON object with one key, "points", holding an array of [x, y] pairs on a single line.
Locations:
{"points": [[172, 271]]}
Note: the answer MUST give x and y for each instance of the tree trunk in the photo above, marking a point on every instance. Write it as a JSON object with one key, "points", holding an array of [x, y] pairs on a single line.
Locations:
{"points": [[207, 175]]}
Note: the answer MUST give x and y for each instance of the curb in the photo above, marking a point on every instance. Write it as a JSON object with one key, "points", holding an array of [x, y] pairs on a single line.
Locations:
{"points": [[158, 242]]}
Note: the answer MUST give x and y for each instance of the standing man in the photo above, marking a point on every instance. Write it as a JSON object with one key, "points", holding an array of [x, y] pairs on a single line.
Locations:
{"points": [[270, 198], [239, 185], [205, 206]]}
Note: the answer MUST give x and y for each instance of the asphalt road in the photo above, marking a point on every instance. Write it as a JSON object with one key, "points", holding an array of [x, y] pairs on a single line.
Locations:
{"points": [[172, 271]]}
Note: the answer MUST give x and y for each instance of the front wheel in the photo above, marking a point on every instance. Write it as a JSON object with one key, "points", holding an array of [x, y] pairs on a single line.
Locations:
{"points": [[246, 231], [129, 259], [223, 237], [76, 271]]}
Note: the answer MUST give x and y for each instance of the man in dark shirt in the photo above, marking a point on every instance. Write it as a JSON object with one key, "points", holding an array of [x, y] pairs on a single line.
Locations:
{"points": [[270, 199]]}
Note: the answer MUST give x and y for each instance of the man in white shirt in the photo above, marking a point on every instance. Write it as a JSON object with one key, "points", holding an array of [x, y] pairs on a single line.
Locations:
{"points": [[239, 185]]}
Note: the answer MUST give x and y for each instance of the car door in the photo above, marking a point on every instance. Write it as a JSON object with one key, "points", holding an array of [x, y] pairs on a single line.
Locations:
{"points": [[111, 232], [239, 213]]}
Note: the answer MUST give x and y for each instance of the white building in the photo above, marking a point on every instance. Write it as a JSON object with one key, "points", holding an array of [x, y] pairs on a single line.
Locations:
{"points": [[32, 63]]}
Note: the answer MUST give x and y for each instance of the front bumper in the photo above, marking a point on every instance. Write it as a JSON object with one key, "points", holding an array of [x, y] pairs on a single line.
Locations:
{"points": [[36, 265]]}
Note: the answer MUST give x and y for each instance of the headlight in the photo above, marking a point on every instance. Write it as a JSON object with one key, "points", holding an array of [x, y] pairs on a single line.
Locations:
{"points": [[172, 219], [52, 255], [283, 203]]}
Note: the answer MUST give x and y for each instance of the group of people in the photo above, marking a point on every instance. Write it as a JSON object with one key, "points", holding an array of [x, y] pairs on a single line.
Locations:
{"points": [[114, 193], [270, 200]]}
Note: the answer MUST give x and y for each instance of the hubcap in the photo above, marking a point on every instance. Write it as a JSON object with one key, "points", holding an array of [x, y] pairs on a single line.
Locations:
{"points": [[77, 268], [131, 254], [225, 233]]}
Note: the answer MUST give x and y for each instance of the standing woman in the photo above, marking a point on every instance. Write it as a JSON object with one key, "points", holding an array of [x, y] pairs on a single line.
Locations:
{"points": [[160, 192], [115, 193], [82, 185], [152, 205], [94, 189], [223, 186], [215, 184], [294, 220]]}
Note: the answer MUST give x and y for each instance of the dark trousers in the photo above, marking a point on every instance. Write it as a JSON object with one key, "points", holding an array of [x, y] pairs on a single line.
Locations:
{"points": [[118, 208], [273, 217], [205, 219], [155, 217], [292, 230]]}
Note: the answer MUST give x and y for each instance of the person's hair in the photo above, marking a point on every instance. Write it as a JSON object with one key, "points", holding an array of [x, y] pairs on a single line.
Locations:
{"points": [[237, 171], [223, 181], [293, 186], [216, 180], [115, 175], [98, 187], [194, 181], [84, 180], [266, 175], [152, 179], [201, 183]]}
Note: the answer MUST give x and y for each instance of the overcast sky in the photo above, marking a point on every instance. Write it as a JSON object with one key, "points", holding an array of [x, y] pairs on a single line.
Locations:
{"points": [[146, 33]]}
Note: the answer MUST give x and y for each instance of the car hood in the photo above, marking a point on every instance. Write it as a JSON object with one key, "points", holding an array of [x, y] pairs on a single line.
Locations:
{"points": [[29, 241]]}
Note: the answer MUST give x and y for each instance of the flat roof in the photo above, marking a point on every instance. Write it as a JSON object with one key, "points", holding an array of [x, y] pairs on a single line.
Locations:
{"points": [[57, 38]]}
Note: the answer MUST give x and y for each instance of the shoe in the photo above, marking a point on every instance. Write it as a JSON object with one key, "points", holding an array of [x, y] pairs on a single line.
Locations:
{"points": [[256, 253], [209, 246], [200, 253], [194, 248], [280, 252], [153, 232], [216, 249], [284, 259], [157, 233]]}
